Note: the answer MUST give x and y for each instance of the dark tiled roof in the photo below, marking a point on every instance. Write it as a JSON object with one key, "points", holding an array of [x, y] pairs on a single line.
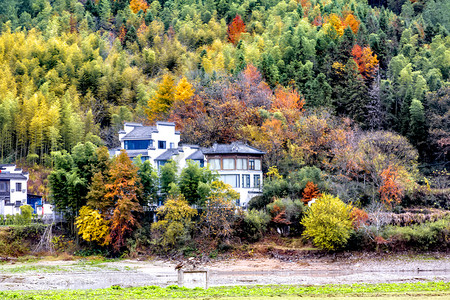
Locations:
{"points": [[167, 154], [132, 124], [233, 148], [192, 146], [140, 133], [134, 153], [197, 155], [4, 175], [165, 123]]}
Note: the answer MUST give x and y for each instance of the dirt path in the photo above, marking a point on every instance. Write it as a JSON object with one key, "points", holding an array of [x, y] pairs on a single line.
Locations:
{"points": [[308, 271]]}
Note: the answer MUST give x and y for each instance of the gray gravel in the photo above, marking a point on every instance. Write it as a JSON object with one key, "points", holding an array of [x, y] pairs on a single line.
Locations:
{"points": [[44, 275]]}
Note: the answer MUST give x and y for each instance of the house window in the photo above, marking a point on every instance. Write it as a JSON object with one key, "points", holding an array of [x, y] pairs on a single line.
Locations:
{"points": [[251, 164], [161, 163], [228, 163], [258, 164], [138, 144], [257, 181], [232, 180], [241, 164], [172, 145], [18, 186], [161, 144], [199, 162], [254, 164], [214, 163], [4, 186], [245, 181]]}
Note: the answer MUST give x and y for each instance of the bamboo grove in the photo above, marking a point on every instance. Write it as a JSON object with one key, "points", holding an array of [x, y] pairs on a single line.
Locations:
{"points": [[73, 70]]}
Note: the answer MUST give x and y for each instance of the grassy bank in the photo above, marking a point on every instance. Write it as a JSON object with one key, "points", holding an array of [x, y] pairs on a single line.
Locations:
{"points": [[419, 289]]}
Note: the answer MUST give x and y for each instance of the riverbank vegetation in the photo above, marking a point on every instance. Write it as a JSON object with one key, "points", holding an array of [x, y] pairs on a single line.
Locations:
{"points": [[348, 98]]}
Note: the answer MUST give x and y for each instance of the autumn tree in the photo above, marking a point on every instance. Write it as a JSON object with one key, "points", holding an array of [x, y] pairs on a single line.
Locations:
{"points": [[352, 22], [137, 5], [367, 61], [219, 214], [184, 91], [310, 192], [160, 104], [235, 29], [124, 191], [92, 227], [328, 222], [174, 224], [391, 190]]}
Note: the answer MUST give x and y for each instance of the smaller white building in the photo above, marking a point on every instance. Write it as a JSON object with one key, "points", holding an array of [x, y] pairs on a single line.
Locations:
{"points": [[13, 189], [148, 141], [238, 164]]}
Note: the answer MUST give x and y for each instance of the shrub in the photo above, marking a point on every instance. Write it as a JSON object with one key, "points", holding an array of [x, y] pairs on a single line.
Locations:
{"points": [[92, 226], [328, 222], [286, 214], [174, 225], [426, 236], [258, 202], [251, 225], [26, 213]]}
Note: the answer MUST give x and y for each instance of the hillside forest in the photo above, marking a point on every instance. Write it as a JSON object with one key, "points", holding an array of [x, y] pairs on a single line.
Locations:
{"points": [[350, 100]]}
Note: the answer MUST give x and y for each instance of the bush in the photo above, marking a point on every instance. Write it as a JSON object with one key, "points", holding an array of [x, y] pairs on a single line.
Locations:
{"points": [[287, 213], [426, 236], [328, 222], [258, 202], [174, 225], [251, 225]]}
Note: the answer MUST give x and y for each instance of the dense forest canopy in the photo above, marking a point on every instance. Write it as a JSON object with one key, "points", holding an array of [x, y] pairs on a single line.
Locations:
{"points": [[296, 78]]}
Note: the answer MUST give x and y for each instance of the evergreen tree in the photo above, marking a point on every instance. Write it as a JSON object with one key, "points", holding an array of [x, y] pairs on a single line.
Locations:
{"points": [[417, 127]]}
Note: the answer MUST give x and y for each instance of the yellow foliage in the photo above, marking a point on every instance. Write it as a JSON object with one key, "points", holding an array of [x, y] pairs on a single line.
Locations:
{"points": [[175, 221], [184, 91], [92, 227]]}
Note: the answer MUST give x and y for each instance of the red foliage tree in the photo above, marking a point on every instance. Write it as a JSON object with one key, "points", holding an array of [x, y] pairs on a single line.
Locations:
{"points": [[124, 191], [367, 61], [359, 217], [235, 29], [391, 190], [310, 192]]}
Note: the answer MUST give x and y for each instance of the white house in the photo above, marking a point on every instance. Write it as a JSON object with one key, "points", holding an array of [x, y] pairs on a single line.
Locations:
{"points": [[13, 189], [237, 164]]}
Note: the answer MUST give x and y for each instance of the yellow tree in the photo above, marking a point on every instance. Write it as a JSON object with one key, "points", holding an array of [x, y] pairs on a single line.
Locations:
{"points": [[160, 104], [220, 211], [174, 222], [92, 226], [184, 91], [137, 5]]}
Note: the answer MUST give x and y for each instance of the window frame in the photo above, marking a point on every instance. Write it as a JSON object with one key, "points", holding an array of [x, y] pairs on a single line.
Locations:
{"points": [[246, 183], [162, 143], [257, 181]]}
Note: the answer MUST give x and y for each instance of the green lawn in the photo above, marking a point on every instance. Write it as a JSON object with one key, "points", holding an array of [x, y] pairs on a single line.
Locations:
{"points": [[421, 290]]}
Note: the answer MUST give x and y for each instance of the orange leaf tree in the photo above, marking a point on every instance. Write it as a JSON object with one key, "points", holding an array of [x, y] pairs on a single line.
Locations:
{"points": [[391, 190], [124, 190], [352, 22], [235, 29], [367, 61], [137, 5], [310, 192]]}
